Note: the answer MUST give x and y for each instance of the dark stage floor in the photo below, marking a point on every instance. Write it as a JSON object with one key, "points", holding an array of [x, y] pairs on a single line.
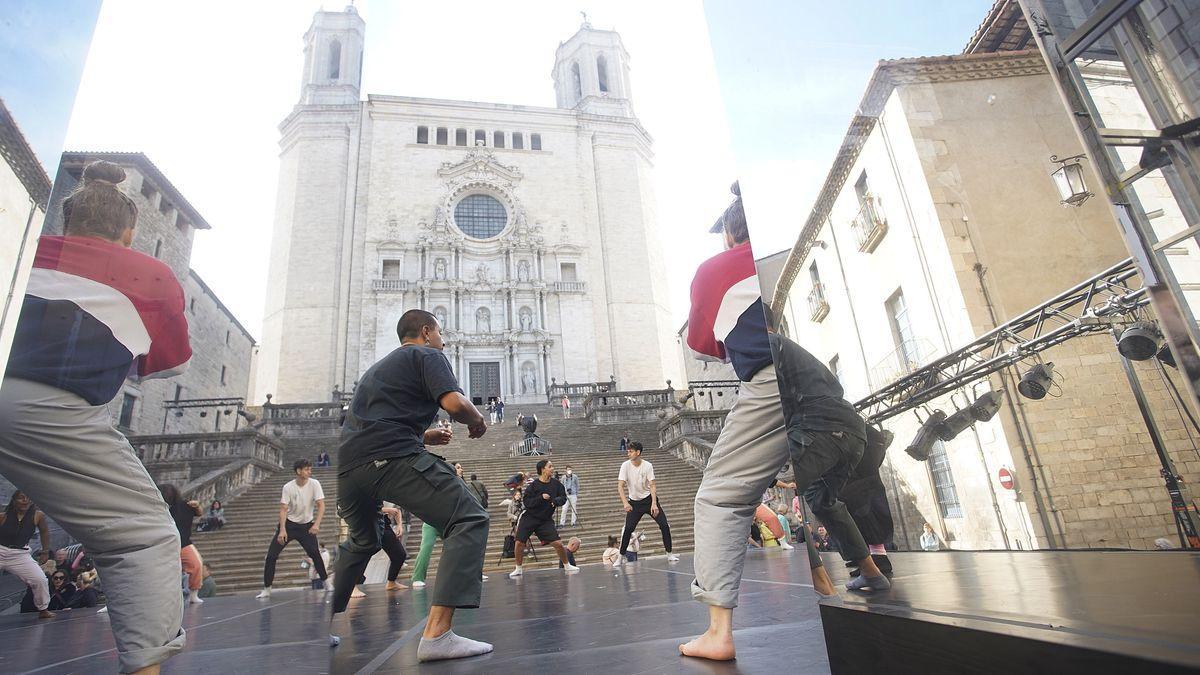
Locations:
{"points": [[598, 620], [1140, 603], [228, 634]]}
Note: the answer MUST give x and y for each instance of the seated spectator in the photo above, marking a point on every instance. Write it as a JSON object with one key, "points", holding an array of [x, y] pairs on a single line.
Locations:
{"points": [[929, 540], [208, 587], [86, 594], [755, 536], [766, 536], [821, 540], [784, 526], [214, 519], [612, 554], [323, 459], [635, 545], [571, 548]]}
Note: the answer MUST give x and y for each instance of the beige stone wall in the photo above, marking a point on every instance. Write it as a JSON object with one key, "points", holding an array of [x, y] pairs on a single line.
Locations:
{"points": [[17, 213]]}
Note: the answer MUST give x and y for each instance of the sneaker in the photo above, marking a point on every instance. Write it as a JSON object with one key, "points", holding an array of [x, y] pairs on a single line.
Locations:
{"points": [[318, 584], [570, 568], [265, 595], [484, 577], [517, 571], [195, 599], [418, 584], [671, 557]]}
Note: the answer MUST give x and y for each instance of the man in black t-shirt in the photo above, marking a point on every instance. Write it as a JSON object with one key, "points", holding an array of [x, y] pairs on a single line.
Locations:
{"points": [[542, 496], [382, 457]]}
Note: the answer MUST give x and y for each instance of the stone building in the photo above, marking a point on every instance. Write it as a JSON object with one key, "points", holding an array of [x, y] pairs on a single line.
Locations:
{"points": [[24, 191], [530, 232], [221, 347], [938, 221]]}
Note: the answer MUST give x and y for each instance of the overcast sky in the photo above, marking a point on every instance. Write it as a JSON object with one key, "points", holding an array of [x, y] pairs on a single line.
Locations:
{"points": [[201, 88], [792, 75]]}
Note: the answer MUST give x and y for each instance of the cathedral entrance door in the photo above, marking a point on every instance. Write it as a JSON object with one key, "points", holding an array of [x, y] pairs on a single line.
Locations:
{"points": [[485, 381]]}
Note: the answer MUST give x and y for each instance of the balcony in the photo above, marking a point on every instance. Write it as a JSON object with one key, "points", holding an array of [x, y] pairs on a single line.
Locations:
{"points": [[389, 285], [570, 286], [818, 306], [869, 225]]}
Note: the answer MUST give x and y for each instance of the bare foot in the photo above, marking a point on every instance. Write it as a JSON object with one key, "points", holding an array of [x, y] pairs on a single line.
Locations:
{"points": [[395, 586], [45, 614], [357, 594], [710, 646]]}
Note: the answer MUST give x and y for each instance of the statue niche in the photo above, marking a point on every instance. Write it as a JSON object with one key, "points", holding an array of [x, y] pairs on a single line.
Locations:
{"points": [[482, 273], [526, 318], [483, 320], [528, 378], [440, 313], [439, 269], [523, 270]]}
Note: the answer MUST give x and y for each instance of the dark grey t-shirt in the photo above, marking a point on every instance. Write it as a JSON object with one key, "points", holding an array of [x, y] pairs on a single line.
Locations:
{"points": [[395, 402]]}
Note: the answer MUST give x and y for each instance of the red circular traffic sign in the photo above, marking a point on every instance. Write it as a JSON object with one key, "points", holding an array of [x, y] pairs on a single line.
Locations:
{"points": [[1006, 479]]}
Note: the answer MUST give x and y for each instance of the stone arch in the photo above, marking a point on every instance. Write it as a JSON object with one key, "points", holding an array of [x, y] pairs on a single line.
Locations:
{"points": [[602, 73], [335, 60]]}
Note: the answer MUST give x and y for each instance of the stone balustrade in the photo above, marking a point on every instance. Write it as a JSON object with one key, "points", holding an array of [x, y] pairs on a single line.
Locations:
{"points": [[690, 434], [617, 407], [576, 393], [713, 394], [218, 463]]}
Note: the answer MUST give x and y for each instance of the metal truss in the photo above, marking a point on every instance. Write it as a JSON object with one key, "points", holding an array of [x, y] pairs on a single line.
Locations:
{"points": [[1090, 307]]}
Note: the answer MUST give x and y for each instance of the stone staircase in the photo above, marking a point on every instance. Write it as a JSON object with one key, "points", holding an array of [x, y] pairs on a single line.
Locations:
{"points": [[237, 550]]}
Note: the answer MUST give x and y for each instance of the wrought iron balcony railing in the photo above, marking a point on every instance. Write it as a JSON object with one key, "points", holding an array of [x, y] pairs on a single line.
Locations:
{"points": [[869, 225]]}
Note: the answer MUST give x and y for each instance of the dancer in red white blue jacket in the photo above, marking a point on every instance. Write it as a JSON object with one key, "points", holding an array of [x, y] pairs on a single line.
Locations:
{"points": [[728, 323], [95, 312]]}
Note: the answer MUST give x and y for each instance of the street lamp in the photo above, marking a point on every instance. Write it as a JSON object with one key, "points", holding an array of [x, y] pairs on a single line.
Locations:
{"points": [[1068, 178]]}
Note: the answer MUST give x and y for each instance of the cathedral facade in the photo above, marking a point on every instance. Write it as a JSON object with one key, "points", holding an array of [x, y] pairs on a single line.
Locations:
{"points": [[528, 231]]}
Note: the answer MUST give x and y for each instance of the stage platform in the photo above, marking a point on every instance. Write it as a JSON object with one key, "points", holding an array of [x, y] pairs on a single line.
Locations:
{"points": [[1023, 611]]}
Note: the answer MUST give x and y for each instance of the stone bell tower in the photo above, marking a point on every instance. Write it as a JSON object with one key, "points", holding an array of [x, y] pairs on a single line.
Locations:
{"points": [[591, 73]]}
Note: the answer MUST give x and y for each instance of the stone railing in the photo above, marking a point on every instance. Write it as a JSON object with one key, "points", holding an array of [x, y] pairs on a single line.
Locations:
{"points": [[292, 411], [389, 285], [577, 392], [616, 407], [221, 463], [690, 434], [534, 445], [301, 419], [713, 394], [570, 286]]}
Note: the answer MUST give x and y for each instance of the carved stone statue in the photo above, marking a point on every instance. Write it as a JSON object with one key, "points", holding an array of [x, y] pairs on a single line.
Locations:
{"points": [[482, 273], [526, 318], [528, 379], [523, 270], [483, 320], [440, 313], [439, 269]]}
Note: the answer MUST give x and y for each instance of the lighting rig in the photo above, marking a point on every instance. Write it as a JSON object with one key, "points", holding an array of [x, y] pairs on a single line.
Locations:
{"points": [[1113, 301]]}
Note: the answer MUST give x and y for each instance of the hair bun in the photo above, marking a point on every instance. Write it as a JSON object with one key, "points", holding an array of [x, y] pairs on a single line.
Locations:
{"points": [[736, 189], [103, 171]]}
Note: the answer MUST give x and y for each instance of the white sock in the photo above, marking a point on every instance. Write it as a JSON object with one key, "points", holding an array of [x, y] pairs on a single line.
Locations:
{"points": [[450, 646]]}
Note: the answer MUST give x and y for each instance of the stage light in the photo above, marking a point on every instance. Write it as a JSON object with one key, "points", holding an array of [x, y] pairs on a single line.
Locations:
{"points": [[1036, 381], [1140, 342], [985, 407], [955, 424], [1068, 178], [927, 435]]}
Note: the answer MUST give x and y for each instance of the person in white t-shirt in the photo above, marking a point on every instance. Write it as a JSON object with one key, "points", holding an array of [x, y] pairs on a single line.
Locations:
{"points": [[639, 496], [296, 521]]}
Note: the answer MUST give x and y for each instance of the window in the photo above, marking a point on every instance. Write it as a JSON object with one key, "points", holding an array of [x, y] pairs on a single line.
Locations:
{"points": [[391, 269], [480, 216], [192, 306], [222, 375], [498, 139], [906, 345], [423, 135], [518, 141], [127, 405], [164, 206], [181, 222], [226, 337], [576, 82], [535, 141], [943, 481], [835, 367], [814, 275], [861, 190], [567, 272], [158, 248], [178, 391], [602, 73], [460, 136], [335, 60], [480, 137], [442, 134], [148, 190]]}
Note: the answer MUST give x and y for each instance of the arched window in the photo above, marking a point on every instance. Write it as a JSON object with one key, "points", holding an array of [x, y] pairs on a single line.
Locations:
{"points": [[335, 60], [602, 72], [576, 81]]}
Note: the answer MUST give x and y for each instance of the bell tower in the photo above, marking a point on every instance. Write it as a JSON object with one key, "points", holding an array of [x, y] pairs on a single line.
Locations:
{"points": [[591, 73], [333, 55]]}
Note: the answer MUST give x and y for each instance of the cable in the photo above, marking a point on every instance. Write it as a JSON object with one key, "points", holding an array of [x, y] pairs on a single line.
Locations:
{"points": [[1180, 406]]}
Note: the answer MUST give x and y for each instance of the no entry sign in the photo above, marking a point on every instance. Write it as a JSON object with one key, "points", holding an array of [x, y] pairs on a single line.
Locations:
{"points": [[1006, 479]]}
